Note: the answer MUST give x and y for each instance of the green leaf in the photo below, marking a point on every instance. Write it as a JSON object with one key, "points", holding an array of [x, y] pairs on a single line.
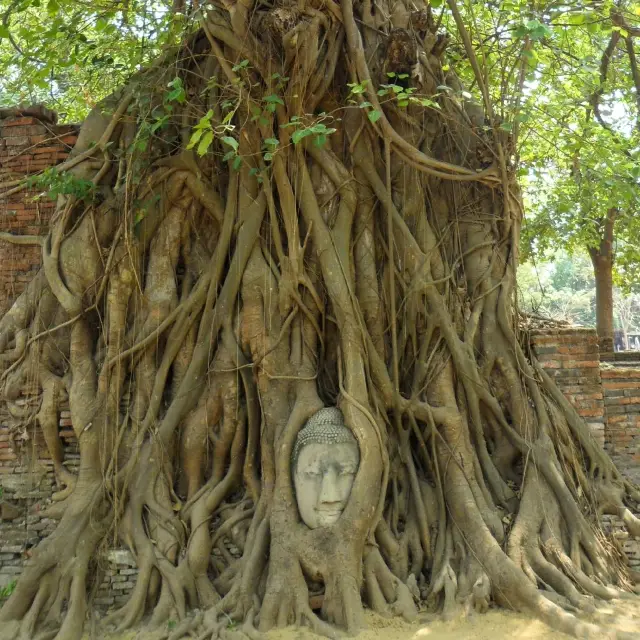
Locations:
{"points": [[232, 142], [356, 89], [299, 134], [205, 121], [205, 143], [4, 32], [271, 142], [374, 115], [237, 163], [177, 93], [195, 137], [241, 65], [273, 99]]}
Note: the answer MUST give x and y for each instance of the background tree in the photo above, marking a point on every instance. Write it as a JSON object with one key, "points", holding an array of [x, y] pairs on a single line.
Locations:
{"points": [[581, 150], [303, 206], [71, 54], [563, 289]]}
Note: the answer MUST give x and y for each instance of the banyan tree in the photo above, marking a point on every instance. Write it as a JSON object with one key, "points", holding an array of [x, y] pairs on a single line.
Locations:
{"points": [[281, 304]]}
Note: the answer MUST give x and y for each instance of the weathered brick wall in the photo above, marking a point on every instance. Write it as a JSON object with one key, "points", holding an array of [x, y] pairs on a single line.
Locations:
{"points": [[606, 396], [621, 387], [31, 141], [570, 356], [27, 483], [28, 144]]}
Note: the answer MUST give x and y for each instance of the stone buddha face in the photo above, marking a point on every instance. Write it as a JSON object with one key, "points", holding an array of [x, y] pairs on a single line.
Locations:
{"points": [[325, 462]]}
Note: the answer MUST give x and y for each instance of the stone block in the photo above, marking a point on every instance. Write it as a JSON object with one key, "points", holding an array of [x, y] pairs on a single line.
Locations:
{"points": [[104, 601], [121, 556], [17, 141]]}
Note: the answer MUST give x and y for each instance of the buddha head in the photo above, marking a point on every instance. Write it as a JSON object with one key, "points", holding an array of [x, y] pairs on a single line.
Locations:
{"points": [[325, 460]]}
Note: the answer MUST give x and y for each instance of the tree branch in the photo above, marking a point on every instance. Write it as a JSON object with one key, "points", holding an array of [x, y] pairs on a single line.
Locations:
{"points": [[636, 76], [604, 70]]}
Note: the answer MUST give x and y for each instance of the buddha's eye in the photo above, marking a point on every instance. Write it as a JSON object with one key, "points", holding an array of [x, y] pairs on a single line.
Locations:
{"points": [[312, 474]]}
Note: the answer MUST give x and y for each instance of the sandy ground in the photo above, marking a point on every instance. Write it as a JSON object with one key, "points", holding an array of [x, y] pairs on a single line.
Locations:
{"points": [[496, 623], [493, 625]]}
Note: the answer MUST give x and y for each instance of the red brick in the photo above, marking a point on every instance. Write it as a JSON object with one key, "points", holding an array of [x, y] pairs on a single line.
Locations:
{"points": [[20, 154], [623, 400], [50, 149], [590, 413], [18, 122], [581, 364]]}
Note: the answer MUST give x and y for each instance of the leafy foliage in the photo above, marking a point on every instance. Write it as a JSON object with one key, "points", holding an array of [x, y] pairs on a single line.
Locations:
{"points": [[580, 137], [564, 289], [70, 54], [8, 589], [54, 184]]}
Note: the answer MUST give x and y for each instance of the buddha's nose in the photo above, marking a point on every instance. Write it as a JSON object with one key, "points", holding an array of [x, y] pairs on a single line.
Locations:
{"points": [[329, 493]]}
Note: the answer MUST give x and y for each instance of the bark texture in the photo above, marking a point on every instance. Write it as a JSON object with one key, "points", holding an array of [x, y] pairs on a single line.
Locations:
{"points": [[602, 258], [198, 309]]}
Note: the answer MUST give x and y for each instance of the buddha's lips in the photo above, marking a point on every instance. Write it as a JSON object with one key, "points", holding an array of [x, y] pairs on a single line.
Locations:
{"points": [[329, 512]]}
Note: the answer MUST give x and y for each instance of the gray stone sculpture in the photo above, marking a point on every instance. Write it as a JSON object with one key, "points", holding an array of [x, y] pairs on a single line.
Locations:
{"points": [[325, 460]]}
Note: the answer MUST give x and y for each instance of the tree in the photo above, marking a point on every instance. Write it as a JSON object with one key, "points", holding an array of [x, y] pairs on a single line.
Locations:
{"points": [[70, 54], [562, 289], [302, 207], [627, 309], [583, 147], [565, 290]]}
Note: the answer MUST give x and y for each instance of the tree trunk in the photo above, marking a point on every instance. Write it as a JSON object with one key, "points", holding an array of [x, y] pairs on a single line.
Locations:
{"points": [[602, 259], [337, 240]]}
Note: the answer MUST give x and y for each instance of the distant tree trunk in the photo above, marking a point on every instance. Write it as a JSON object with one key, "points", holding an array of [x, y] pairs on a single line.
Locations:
{"points": [[602, 260]]}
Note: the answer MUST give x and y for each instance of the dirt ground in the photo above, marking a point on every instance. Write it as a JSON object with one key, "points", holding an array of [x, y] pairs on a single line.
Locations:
{"points": [[496, 623], [493, 625]]}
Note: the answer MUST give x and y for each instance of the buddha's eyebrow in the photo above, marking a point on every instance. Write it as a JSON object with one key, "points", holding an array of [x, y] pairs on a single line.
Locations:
{"points": [[346, 467]]}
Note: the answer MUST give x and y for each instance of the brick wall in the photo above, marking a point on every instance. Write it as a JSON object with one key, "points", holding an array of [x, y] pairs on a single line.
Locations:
{"points": [[30, 141], [570, 356], [607, 396], [621, 387]]}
